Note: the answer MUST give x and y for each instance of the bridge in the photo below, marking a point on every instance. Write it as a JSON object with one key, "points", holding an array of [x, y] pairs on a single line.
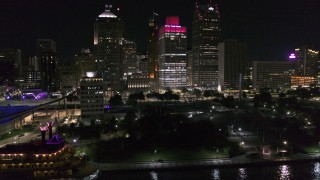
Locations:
{"points": [[11, 117]]}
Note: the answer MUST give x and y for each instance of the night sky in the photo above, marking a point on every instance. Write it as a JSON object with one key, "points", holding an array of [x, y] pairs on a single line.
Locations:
{"points": [[270, 27]]}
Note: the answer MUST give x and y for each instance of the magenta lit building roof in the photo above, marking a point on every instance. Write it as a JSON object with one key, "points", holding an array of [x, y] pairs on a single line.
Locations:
{"points": [[172, 26]]}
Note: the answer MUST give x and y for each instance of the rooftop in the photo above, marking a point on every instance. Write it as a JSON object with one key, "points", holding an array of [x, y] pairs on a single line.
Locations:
{"points": [[107, 14]]}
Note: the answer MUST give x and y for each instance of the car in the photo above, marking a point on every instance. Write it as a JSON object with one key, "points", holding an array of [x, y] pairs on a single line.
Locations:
{"points": [[21, 135]]}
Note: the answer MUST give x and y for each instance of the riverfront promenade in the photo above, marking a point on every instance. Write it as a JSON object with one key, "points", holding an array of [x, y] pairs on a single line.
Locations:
{"points": [[237, 161]]}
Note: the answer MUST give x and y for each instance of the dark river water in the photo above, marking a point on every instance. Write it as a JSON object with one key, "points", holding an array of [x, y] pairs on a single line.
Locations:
{"points": [[298, 171]]}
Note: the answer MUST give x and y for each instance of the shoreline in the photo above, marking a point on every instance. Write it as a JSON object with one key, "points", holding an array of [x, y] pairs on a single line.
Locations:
{"points": [[196, 164]]}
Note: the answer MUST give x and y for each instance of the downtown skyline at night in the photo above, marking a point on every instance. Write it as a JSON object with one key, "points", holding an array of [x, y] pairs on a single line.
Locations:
{"points": [[160, 89], [272, 29]]}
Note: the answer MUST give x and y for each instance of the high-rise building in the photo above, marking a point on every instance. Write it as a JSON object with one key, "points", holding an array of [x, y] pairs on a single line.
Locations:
{"points": [[10, 65], [271, 74], [305, 62], [153, 53], [91, 98], [108, 39], [69, 78], [232, 63], [129, 62], [205, 39], [48, 64], [172, 54], [85, 61]]}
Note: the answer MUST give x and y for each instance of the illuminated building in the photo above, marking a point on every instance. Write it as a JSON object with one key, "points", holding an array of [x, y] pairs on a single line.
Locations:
{"points": [[129, 62], [138, 82], [233, 62], [205, 39], [10, 65], [304, 81], [91, 98], [172, 54], [85, 61], [143, 63], [48, 64], [69, 78], [305, 62], [108, 37], [271, 74], [189, 68]]}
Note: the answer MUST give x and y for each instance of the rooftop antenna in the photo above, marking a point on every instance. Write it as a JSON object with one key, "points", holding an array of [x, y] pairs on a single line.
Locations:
{"points": [[154, 14]]}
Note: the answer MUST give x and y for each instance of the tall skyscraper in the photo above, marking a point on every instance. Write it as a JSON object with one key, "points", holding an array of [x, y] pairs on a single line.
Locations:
{"points": [[306, 62], [129, 63], [153, 52], [205, 39], [172, 54], [48, 64], [108, 33], [10, 65], [232, 64]]}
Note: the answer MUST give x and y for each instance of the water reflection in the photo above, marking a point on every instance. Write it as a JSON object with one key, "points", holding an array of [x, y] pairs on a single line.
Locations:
{"points": [[215, 174], [242, 174], [284, 172], [316, 170], [154, 175]]}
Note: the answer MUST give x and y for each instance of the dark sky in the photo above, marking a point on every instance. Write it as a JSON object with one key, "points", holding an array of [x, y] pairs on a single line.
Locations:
{"points": [[270, 27]]}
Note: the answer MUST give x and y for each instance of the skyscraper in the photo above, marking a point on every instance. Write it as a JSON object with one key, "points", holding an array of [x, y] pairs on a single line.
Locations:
{"points": [[172, 54], [153, 52], [10, 65], [48, 64], [108, 32], [205, 39], [306, 62], [233, 61]]}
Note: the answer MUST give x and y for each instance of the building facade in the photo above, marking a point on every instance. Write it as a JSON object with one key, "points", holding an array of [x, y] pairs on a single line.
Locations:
{"points": [[91, 98], [271, 74], [108, 40], [306, 62], [205, 39], [232, 64], [10, 65], [172, 54], [48, 64], [153, 53]]}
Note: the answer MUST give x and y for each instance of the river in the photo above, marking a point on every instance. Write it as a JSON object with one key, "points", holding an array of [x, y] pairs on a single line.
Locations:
{"points": [[297, 171]]}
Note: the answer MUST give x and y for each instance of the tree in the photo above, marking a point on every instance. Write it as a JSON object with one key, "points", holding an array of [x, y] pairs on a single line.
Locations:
{"points": [[206, 93], [197, 93], [116, 100]]}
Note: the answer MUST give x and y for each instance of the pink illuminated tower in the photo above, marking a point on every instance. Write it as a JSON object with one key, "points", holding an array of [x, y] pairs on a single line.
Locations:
{"points": [[172, 54]]}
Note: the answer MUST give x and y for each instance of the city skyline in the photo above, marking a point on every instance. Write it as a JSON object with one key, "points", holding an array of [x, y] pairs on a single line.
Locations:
{"points": [[272, 29]]}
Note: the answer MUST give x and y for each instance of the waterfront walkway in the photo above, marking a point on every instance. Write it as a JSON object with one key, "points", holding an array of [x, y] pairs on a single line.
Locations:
{"points": [[237, 161]]}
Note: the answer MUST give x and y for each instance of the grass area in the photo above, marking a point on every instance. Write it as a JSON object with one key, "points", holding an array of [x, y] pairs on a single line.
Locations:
{"points": [[311, 149], [101, 153], [16, 132]]}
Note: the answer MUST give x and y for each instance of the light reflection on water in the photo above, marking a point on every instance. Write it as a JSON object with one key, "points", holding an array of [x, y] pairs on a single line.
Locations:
{"points": [[284, 172], [154, 175], [316, 170], [242, 174], [215, 174]]}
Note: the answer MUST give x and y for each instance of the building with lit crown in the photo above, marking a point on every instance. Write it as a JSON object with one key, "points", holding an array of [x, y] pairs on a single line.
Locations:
{"points": [[205, 39], [172, 54], [108, 39], [91, 98]]}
